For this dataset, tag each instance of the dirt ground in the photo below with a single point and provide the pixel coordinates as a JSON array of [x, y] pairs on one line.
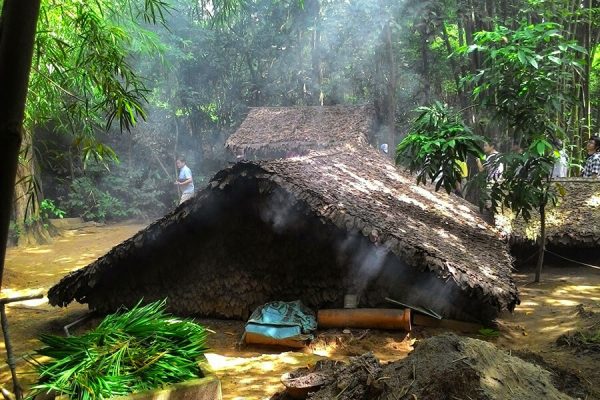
[[547, 310]]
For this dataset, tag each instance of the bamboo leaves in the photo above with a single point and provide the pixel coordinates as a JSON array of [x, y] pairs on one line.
[[130, 351]]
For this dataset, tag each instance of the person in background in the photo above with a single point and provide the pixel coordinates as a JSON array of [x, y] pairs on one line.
[[591, 168], [493, 169], [464, 174], [491, 164], [184, 180], [560, 168]]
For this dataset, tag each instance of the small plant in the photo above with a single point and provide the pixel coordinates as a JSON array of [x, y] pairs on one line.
[[14, 231], [49, 210], [140, 349], [489, 333], [436, 144]]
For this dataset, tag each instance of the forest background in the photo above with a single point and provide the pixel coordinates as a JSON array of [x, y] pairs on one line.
[[181, 86]]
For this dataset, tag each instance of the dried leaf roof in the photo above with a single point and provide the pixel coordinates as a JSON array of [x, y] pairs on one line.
[[270, 132], [574, 222], [357, 190]]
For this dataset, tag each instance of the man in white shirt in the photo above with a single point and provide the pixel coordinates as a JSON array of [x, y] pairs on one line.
[[561, 164], [184, 181]]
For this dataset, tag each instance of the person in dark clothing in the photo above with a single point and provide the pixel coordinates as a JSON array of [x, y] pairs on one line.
[[591, 168]]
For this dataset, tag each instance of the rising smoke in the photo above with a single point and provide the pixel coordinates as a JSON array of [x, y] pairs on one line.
[[364, 259]]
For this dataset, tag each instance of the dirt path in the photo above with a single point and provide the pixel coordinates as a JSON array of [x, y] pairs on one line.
[[547, 310]]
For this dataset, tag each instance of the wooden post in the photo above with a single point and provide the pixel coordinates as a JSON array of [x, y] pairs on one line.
[[10, 357], [541, 243]]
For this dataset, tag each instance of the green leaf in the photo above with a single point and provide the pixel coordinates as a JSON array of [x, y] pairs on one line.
[[555, 60], [533, 62], [578, 48]]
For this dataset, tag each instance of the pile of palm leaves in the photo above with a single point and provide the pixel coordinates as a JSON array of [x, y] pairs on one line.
[[143, 348]]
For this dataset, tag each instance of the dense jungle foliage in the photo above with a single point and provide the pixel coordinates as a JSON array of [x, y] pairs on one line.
[[119, 88]]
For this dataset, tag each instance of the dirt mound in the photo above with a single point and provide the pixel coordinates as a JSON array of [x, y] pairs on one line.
[[564, 380], [441, 367], [587, 339]]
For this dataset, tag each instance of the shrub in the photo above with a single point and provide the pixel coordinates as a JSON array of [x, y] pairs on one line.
[[121, 193]]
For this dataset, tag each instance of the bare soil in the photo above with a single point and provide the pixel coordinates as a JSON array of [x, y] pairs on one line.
[[547, 311]]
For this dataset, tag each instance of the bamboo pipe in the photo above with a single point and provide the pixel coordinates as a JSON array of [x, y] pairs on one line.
[[376, 318]]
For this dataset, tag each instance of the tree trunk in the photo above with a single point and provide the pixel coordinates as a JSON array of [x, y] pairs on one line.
[[254, 80], [453, 66], [587, 76], [314, 8], [425, 62], [175, 150], [541, 243], [28, 193], [470, 29], [390, 94], [17, 33]]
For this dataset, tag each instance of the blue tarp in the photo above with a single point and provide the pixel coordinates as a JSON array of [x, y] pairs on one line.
[[283, 320]]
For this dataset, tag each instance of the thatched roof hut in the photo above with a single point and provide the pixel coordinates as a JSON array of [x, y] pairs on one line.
[[315, 227], [277, 132], [573, 223]]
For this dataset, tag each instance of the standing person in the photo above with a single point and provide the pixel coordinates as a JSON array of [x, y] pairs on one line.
[[493, 169], [592, 164], [492, 165], [184, 181], [560, 168], [464, 175]]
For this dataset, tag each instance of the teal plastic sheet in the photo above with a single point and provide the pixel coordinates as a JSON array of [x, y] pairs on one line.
[[283, 320]]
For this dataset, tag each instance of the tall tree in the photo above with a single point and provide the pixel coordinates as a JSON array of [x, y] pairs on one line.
[[82, 80], [17, 32]]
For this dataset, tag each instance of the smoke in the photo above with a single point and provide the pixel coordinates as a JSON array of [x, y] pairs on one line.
[[279, 212], [365, 261], [202, 77]]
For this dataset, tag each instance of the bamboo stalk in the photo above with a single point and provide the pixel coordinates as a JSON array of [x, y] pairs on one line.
[[7, 300], [10, 359]]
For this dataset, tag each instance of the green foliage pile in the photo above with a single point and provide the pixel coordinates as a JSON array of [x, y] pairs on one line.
[[130, 351]]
